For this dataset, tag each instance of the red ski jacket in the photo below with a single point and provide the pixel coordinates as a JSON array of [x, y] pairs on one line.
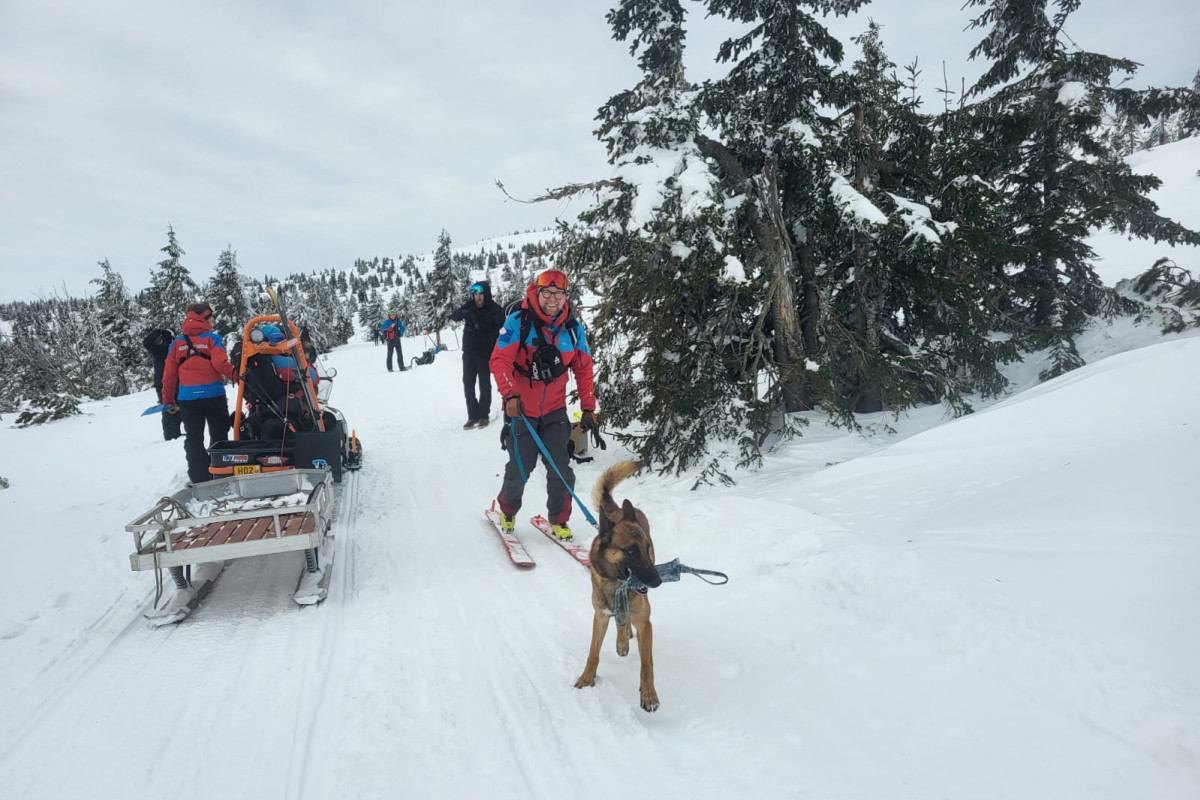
[[511, 359], [196, 363]]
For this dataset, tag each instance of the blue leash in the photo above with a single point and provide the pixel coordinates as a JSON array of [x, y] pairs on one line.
[[669, 572], [549, 460]]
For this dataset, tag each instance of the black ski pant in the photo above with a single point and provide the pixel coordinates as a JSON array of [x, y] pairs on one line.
[[394, 345], [195, 414], [170, 422], [475, 371], [555, 431]]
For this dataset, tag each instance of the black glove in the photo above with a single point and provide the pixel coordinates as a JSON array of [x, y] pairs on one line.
[[587, 422]]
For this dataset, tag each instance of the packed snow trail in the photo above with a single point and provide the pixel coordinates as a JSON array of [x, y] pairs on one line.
[[851, 655]]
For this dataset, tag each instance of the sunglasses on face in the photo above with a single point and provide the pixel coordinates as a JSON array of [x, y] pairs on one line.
[[552, 277]]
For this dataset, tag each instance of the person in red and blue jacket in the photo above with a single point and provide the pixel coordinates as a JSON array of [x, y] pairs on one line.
[[193, 386], [392, 329], [538, 345]]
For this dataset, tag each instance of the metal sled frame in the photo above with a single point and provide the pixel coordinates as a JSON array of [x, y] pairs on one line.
[[168, 536]]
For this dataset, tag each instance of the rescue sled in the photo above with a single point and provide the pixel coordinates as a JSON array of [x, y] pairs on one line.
[[281, 417], [212, 523]]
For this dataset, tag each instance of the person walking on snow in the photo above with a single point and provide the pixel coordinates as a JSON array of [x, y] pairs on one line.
[[392, 329], [192, 385], [537, 346], [482, 318], [158, 343]]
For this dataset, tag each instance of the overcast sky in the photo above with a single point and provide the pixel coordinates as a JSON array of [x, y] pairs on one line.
[[307, 134]]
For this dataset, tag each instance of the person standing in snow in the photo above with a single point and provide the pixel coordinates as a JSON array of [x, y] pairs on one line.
[[158, 343], [538, 345], [392, 329], [481, 317], [193, 386]]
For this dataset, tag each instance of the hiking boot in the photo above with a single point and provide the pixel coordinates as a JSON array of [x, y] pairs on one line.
[[562, 532], [507, 524], [469, 424], [482, 422]]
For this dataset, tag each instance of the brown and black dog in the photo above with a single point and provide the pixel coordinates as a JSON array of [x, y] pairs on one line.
[[622, 547]]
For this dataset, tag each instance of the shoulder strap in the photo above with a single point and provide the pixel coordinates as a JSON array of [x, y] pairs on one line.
[[192, 351], [571, 326]]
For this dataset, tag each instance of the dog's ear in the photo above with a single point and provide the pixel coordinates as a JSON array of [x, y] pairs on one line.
[[628, 511], [606, 527]]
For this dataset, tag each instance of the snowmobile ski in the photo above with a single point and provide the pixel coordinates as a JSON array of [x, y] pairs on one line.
[[313, 587], [185, 601]]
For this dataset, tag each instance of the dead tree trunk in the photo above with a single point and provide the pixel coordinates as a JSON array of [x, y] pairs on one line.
[[776, 258]]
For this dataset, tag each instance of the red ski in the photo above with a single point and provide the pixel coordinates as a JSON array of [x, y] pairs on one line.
[[512, 545], [580, 552]]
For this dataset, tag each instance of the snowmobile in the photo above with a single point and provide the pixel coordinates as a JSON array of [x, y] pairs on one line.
[[281, 419], [272, 482]]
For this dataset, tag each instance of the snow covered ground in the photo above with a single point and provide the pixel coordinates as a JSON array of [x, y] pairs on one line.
[[1000, 606]]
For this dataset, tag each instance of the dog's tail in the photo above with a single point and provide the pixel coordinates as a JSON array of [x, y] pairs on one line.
[[602, 493]]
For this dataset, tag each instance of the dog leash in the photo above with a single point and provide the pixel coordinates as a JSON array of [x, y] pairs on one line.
[[549, 460], [669, 573]]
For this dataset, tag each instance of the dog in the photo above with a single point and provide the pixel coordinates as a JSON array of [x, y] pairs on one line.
[[622, 547]]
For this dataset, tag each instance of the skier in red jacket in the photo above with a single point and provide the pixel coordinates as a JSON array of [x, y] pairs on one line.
[[193, 385], [539, 344]]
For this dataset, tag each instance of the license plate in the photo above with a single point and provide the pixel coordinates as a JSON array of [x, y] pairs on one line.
[[246, 469]]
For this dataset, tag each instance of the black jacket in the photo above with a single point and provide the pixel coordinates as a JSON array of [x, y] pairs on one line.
[[481, 326], [158, 343]]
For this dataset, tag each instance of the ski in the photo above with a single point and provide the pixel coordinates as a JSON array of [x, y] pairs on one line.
[[512, 545], [185, 601], [580, 552]]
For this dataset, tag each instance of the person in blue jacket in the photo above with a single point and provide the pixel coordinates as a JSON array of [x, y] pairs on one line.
[[392, 329]]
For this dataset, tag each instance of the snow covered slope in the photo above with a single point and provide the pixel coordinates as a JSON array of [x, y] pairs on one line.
[[1177, 164]]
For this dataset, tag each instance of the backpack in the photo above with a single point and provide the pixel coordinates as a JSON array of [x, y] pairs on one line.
[[262, 382], [546, 364]]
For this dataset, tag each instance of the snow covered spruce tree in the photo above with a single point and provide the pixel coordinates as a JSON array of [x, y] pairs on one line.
[[321, 309], [120, 340], [774, 145], [676, 334], [372, 311], [171, 288], [58, 358], [1040, 120], [903, 322], [444, 289], [226, 293]]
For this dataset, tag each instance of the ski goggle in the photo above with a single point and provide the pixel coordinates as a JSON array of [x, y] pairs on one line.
[[552, 277], [477, 288]]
